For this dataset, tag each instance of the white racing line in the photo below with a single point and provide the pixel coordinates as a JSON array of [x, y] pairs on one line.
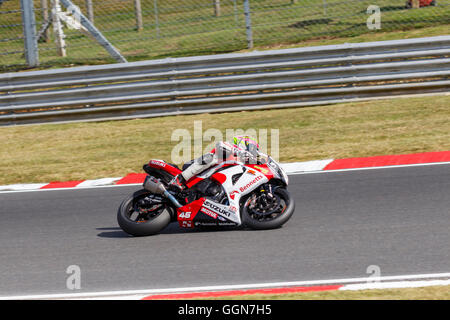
[[373, 168], [384, 282]]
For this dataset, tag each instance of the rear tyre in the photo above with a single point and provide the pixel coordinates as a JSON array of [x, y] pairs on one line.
[[260, 221], [143, 225]]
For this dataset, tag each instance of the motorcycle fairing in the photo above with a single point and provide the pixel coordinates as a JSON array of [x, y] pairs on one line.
[[162, 165], [210, 172], [263, 168], [246, 183], [207, 213], [204, 211], [187, 213]]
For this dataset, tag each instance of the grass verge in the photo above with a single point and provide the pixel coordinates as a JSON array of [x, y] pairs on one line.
[[367, 37], [424, 293], [59, 152]]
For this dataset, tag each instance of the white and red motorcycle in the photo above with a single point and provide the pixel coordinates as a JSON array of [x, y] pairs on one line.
[[231, 193]]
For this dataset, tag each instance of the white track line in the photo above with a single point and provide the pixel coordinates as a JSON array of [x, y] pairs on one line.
[[374, 168], [135, 293], [395, 285], [315, 165], [74, 188], [98, 182]]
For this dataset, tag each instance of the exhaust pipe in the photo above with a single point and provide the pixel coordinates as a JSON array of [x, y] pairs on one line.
[[155, 186]]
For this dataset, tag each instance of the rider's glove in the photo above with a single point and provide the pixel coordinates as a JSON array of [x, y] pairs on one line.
[[246, 157], [262, 158]]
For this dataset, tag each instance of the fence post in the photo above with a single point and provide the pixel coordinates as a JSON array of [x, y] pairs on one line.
[[96, 34], [216, 8], [90, 10], [138, 12], [58, 28], [248, 24], [29, 31], [45, 16]]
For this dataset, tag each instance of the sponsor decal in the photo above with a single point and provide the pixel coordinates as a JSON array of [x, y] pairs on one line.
[[233, 194], [263, 170], [251, 183], [209, 213], [226, 224], [186, 224], [213, 224], [203, 223], [158, 163], [215, 208]]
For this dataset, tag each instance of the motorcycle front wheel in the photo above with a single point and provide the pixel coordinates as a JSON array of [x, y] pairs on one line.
[[261, 214]]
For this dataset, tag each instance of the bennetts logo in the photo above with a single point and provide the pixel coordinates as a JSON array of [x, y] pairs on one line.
[[251, 183]]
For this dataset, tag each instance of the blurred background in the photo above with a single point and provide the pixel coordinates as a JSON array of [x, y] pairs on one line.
[[150, 29]]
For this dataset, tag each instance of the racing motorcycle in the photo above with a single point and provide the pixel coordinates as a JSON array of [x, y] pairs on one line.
[[229, 194]]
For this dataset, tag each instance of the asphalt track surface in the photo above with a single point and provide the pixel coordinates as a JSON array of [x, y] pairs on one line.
[[394, 218]]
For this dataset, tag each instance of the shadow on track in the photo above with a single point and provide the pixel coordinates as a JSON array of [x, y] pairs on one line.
[[173, 228]]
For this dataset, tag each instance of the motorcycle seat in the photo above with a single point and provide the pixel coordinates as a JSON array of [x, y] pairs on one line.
[[187, 164]]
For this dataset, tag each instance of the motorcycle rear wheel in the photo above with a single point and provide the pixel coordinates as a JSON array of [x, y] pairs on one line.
[[143, 227]]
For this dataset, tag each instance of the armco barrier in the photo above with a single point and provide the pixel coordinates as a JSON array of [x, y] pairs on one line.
[[227, 82]]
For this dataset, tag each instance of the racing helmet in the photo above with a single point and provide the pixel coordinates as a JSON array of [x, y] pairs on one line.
[[247, 144]]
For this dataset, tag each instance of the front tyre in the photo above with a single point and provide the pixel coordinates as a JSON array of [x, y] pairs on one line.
[[139, 217], [273, 214]]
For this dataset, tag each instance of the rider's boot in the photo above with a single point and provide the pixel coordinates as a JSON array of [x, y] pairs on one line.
[[178, 183]]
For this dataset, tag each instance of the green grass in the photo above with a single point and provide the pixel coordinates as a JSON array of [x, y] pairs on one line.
[[43, 153], [189, 27]]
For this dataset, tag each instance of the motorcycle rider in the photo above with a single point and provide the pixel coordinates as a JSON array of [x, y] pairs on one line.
[[243, 147]]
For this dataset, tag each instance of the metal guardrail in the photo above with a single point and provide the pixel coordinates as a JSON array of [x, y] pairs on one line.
[[227, 82]]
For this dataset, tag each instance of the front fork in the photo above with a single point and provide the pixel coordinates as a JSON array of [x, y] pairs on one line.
[[266, 190]]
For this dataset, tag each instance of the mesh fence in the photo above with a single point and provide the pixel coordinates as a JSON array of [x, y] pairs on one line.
[[11, 35], [147, 29]]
